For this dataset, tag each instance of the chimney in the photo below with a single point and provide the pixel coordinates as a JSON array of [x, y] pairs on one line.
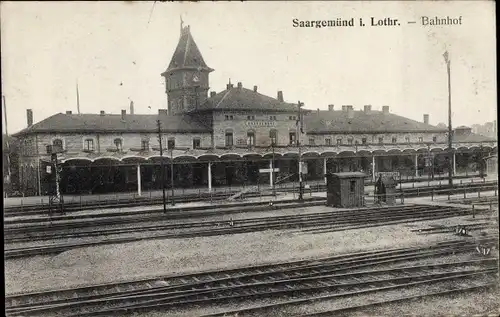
[[280, 96], [350, 112], [29, 116], [426, 118], [368, 109], [385, 109], [212, 93], [131, 107], [68, 112], [240, 85], [344, 108], [317, 111], [330, 107], [124, 112], [255, 88], [102, 112], [162, 112]]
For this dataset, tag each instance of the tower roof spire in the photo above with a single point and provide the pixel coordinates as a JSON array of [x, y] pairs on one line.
[[187, 55]]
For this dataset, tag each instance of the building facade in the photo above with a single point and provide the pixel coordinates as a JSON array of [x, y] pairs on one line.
[[225, 139]]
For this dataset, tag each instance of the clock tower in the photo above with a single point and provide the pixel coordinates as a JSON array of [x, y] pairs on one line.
[[186, 78]]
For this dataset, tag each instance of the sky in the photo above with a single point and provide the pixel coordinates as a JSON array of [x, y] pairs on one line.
[[116, 52]]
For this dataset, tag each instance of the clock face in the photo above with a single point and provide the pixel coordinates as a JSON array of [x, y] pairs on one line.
[[196, 78]]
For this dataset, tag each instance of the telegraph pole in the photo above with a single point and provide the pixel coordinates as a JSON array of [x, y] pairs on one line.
[[172, 173], [299, 134], [158, 122], [450, 130]]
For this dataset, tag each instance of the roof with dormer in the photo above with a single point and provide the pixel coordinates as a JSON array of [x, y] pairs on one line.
[[339, 121], [95, 123], [187, 54], [242, 99]]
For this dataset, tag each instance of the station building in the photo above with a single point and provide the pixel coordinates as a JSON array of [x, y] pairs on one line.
[[227, 138]]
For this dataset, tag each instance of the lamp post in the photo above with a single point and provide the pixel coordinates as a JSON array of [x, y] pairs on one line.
[[272, 165], [172, 172], [299, 123], [162, 166], [450, 131]]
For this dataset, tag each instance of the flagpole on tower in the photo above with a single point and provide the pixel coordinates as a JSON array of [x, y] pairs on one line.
[[77, 98]]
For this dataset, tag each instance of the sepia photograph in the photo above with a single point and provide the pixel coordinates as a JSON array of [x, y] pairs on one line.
[[279, 158]]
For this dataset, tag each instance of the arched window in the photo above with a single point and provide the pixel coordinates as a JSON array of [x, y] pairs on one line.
[[118, 144], [251, 138], [57, 145], [229, 138], [273, 135]]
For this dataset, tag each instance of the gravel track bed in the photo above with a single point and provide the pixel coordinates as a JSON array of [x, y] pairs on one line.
[[224, 224], [473, 302], [108, 263], [332, 304]]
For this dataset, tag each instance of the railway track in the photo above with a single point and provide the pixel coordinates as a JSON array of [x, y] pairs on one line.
[[342, 220], [30, 210], [358, 272]]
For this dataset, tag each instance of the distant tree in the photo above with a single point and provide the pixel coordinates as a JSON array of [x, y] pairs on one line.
[[10, 150]]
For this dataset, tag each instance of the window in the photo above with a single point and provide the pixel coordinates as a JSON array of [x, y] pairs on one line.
[[88, 145], [118, 144], [394, 140], [229, 138], [311, 141], [145, 145], [363, 140], [171, 143], [227, 117], [292, 117], [231, 117], [272, 118], [349, 141], [250, 117], [57, 145], [353, 186], [273, 135], [434, 139], [250, 138], [407, 139], [292, 137], [339, 141], [420, 139], [196, 143], [380, 140], [328, 141]]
